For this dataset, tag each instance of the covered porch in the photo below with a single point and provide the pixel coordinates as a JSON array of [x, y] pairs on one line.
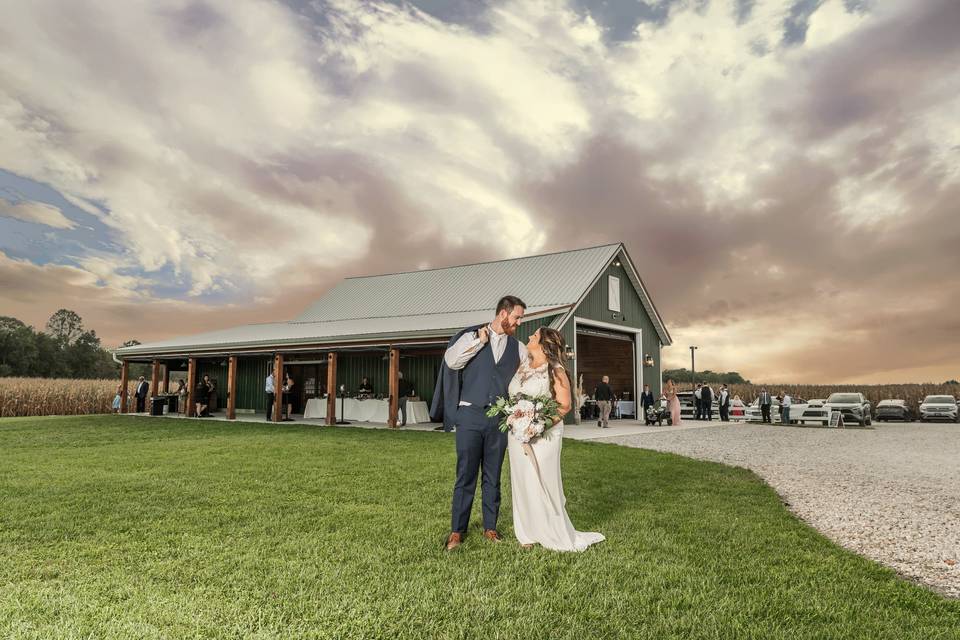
[[326, 382]]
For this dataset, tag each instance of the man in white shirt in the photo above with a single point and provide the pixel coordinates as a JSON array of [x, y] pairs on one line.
[[480, 362], [785, 405], [271, 392], [723, 403]]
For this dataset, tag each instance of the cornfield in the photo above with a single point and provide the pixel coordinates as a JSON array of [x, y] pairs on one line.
[[58, 396], [912, 393]]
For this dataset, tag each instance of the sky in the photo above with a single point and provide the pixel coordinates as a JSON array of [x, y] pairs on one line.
[[784, 174]]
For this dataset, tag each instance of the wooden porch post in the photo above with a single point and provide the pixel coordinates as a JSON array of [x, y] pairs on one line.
[[232, 388], [394, 387], [166, 377], [332, 388], [154, 380], [191, 383], [124, 382], [278, 387]]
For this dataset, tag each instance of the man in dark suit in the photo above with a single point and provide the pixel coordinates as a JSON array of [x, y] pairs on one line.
[[477, 368], [646, 401], [143, 388], [697, 402], [764, 400], [706, 402], [724, 403]]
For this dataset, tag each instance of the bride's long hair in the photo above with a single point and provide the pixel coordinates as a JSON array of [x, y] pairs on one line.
[[555, 348]]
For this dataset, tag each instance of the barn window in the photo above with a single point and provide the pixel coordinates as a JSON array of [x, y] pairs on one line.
[[613, 288]]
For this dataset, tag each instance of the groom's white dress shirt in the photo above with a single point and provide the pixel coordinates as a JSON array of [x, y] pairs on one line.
[[469, 344]]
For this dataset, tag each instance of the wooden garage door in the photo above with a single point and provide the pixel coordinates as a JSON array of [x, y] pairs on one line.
[[599, 355]]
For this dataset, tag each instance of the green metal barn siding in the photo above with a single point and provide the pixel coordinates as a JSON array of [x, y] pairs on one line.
[[251, 376], [632, 314]]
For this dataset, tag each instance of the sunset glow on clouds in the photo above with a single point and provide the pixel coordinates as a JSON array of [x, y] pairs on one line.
[[785, 174]]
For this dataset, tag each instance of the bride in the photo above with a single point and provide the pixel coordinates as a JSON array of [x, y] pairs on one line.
[[539, 514]]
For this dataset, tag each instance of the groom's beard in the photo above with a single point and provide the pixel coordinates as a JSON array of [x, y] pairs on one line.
[[508, 328]]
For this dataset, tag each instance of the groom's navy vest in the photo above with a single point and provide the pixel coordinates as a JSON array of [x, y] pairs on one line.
[[484, 380]]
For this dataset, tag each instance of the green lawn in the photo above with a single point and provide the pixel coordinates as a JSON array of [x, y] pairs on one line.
[[121, 527]]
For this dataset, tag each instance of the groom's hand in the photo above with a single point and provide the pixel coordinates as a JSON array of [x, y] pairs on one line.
[[484, 334]]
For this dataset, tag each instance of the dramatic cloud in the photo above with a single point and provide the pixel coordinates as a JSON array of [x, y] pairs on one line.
[[38, 212], [785, 173]]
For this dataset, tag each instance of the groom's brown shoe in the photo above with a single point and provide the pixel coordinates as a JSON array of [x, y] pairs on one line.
[[491, 534], [454, 540]]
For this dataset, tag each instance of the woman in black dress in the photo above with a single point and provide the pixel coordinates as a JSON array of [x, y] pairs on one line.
[[202, 398]]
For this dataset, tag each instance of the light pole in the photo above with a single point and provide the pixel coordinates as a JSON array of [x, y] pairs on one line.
[[693, 368]]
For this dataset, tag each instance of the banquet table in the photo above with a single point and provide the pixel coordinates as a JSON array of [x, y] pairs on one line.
[[366, 410], [626, 408]]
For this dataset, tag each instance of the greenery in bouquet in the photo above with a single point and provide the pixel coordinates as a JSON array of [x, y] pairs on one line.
[[526, 417]]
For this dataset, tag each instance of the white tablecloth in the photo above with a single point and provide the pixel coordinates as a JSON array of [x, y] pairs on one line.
[[627, 408], [366, 410]]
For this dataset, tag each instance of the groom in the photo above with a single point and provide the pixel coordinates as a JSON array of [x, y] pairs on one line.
[[477, 368]]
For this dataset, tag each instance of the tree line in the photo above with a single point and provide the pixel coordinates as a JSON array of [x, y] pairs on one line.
[[682, 376], [63, 349]]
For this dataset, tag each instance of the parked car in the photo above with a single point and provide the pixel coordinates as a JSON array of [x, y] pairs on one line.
[[939, 408], [815, 411], [797, 408], [854, 407], [895, 410]]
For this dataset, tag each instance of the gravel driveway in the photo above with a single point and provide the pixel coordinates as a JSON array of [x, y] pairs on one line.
[[891, 494]]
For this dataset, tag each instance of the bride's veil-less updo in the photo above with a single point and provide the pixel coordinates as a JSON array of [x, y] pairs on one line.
[[554, 347]]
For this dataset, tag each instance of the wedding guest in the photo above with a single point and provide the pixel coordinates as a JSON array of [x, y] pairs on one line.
[[210, 396], [670, 391], [143, 388], [201, 396], [181, 395], [706, 403], [764, 400], [117, 399], [603, 394], [288, 395], [270, 389], [405, 391], [785, 403], [697, 403], [646, 398], [365, 389], [214, 403], [724, 403]]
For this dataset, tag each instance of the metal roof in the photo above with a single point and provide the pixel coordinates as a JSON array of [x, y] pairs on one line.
[[428, 303], [475, 287], [439, 325]]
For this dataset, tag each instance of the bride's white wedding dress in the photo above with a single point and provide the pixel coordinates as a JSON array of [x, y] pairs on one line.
[[539, 506]]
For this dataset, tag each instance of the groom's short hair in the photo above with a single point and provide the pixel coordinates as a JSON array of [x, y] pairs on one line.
[[507, 303]]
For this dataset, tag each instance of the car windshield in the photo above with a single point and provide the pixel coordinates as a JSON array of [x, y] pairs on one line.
[[844, 398], [940, 399]]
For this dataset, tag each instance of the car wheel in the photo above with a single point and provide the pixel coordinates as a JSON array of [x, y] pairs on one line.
[[824, 423]]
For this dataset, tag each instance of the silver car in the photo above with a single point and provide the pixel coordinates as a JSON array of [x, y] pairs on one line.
[[939, 408]]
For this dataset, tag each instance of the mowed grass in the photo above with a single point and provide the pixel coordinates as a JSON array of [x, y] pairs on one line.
[[123, 527]]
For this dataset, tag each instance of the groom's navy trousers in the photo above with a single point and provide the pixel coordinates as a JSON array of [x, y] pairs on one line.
[[480, 447]]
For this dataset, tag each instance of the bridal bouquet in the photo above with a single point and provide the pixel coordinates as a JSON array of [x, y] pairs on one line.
[[526, 417]]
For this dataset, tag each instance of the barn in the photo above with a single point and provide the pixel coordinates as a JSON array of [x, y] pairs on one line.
[[386, 326]]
